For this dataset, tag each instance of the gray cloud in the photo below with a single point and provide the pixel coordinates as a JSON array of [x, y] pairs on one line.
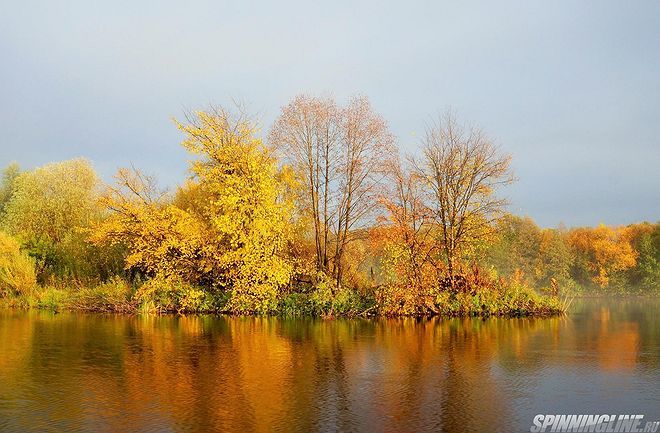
[[571, 89]]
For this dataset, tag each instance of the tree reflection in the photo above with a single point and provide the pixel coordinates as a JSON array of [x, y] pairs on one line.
[[261, 374]]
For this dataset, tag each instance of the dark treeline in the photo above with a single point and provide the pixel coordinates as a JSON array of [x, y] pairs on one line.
[[322, 217]]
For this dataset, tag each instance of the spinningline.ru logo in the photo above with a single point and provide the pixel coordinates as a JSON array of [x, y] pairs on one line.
[[592, 423]]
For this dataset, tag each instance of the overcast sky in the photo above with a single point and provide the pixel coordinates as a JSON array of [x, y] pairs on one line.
[[570, 88]]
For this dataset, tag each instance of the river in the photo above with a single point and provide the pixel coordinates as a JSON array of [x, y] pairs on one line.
[[74, 372]]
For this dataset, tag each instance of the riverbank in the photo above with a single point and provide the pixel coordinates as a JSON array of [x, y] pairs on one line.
[[117, 296]]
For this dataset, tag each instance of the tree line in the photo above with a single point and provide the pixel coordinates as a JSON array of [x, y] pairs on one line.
[[322, 216]]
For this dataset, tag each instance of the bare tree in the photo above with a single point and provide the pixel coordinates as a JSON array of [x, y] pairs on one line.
[[308, 134], [366, 146], [338, 154], [462, 170]]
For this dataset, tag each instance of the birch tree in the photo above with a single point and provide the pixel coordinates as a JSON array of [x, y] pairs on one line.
[[338, 155], [308, 134], [462, 170]]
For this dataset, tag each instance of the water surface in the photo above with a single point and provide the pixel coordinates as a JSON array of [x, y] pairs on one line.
[[75, 372]]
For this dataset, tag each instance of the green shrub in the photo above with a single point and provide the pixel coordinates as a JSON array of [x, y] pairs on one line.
[[325, 300], [514, 299], [296, 304], [51, 298], [162, 295]]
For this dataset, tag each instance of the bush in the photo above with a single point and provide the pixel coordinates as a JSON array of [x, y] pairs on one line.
[[115, 295], [323, 301], [17, 275], [163, 295], [259, 299], [512, 299], [396, 300], [50, 298]]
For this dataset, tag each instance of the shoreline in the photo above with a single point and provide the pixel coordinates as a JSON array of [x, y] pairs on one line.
[[347, 304], [100, 312]]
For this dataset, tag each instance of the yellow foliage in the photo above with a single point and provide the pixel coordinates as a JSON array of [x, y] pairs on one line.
[[225, 229], [49, 210], [161, 239], [605, 249], [52, 201], [240, 176], [16, 268]]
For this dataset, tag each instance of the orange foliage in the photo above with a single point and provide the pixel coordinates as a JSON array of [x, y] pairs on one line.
[[407, 246], [605, 250]]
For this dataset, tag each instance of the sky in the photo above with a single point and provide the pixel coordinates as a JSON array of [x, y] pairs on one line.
[[571, 89]]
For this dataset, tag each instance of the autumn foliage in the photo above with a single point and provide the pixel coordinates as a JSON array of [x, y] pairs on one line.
[[322, 218], [603, 251], [229, 231]]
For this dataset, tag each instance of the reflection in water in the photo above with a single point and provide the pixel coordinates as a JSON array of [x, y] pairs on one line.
[[92, 372]]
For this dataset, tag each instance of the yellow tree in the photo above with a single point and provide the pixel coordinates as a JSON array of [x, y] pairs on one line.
[[49, 209], [161, 239], [225, 229], [245, 210], [52, 201], [16, 268]]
